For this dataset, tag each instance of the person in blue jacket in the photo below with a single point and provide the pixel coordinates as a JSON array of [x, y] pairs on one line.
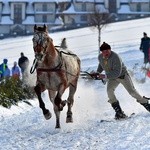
[[6, 74], [3, 68], [144, 47]]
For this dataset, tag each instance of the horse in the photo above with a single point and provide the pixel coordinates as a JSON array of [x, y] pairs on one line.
[[56, 71]]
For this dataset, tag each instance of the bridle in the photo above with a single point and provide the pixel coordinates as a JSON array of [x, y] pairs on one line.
[[40, 41], [40, 44]]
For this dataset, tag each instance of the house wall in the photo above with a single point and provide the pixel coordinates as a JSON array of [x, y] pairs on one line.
[[45, 12], [29, 29], [39, 18], [1, 11], [39, 7], [5, 29], [145, 7], [88, 6]]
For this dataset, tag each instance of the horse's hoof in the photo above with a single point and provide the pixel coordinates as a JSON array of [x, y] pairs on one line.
[[48, 115], [69, 120], [57, 127]]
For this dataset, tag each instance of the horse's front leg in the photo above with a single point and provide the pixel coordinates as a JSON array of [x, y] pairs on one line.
[[59, 102], [58, 105], [52, 95], [46, 112]]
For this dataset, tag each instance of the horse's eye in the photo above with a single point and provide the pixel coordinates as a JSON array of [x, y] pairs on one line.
[[36, 37]]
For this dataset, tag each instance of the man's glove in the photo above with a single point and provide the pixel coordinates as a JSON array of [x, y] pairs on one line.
[[97, 75]]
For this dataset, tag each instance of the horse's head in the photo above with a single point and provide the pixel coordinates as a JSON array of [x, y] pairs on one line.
[[40, 41]]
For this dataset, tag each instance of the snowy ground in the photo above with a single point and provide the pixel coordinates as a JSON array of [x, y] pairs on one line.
[[24, 128]]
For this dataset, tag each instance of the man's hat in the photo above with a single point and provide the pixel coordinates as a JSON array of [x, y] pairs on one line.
[[144, 33], [104, 46]]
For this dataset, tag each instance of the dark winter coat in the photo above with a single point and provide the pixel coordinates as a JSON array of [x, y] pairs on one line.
[[144, 47], [23, 63], [145, 44]]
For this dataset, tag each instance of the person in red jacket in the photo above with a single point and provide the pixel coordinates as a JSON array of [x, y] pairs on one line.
[[15, 71]]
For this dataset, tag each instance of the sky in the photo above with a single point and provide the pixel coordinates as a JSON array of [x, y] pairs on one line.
[[24, 127]]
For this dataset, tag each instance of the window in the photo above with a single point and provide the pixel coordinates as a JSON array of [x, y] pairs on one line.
[[44, 7], [83, 18], [44, 18], [83, 7], [138, 7], [18, 13]]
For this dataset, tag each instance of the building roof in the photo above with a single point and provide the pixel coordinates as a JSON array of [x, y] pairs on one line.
[[6, 20]]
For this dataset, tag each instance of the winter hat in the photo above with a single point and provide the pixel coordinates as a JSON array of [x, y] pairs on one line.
[[105, 46], [5, 61], [144, 33]]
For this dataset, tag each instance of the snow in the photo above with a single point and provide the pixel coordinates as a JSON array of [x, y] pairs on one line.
[[23, 127]]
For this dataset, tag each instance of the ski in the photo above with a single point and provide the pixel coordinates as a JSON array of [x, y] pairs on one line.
[[114, 120]]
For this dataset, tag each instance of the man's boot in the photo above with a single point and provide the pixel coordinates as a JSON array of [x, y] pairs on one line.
[[146, 105], [119, 113]]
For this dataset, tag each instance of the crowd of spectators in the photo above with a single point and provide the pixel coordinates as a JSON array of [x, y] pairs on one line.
[[18, 71]]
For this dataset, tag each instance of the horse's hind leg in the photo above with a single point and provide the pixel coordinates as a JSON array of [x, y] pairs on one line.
[[70, 101], [46, 112]]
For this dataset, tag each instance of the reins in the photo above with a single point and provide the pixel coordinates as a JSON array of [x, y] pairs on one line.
[[34, 65]]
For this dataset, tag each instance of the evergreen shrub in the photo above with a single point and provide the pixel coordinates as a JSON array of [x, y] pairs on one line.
[[13, 91]]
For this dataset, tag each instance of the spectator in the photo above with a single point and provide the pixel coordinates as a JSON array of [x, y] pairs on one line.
[[144, 47], [3, 68], [23, 63], [15, 71], [6, 72]]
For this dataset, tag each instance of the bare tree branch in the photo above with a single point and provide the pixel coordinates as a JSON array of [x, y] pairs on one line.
[[99, 19]]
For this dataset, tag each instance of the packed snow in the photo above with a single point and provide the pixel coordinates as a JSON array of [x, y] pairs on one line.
[[24, 127]]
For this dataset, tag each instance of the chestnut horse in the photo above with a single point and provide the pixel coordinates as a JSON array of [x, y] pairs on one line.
[[57, 70]]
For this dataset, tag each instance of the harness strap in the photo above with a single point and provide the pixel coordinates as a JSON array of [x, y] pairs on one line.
[[57, 68]]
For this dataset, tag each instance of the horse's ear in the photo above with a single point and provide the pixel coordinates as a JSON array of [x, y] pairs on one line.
[[35, 27], [45, 28]]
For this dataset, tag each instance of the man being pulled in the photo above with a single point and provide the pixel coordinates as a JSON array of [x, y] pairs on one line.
[[116, 73]]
